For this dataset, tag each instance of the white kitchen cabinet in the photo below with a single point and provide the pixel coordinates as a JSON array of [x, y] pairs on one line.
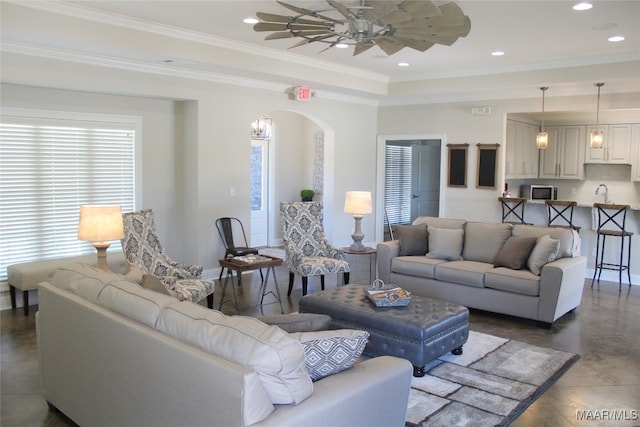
[[521, 152], [616, 147], [564, 158], [635, 144]]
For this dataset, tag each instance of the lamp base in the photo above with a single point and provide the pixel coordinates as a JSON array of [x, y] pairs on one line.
[[101, 247], [357, 236]]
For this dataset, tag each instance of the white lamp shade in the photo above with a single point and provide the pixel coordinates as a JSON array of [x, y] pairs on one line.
[[358, 202], [542, 140], [597, 139], [99, 223]]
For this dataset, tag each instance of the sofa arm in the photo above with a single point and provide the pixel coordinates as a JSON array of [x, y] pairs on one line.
[[372, 393], [561, 286], [386, 251]]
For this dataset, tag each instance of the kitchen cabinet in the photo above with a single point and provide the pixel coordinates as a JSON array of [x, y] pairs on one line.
[[521, 152], [635, 143], [616, 147], [564, 157]]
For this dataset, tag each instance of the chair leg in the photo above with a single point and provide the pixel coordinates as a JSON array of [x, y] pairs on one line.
[[322, 282], [210, 300], [12, 292], [620, 266], [221, 271], [304, 285], [595, 265], [604, 242], [291, 277], [25, 302], [346, 277], [629, 261], [239, 278]]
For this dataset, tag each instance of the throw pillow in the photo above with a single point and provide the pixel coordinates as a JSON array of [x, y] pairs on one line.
[[298, 322], [445, 243], [545, 251], [413, 239], [515, 252], [151, 282], [329, 352]]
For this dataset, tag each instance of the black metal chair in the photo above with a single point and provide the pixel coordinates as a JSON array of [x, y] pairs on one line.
[[513, 206], [226, 227], [612, 222], [562, 211]]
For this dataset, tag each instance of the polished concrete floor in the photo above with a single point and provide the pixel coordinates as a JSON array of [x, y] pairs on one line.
[[604, 384]]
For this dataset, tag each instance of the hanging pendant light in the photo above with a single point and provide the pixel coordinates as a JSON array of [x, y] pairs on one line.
[[542, 137], [597, 135]]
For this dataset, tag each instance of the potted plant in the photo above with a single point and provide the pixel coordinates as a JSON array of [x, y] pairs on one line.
[[306, 195]]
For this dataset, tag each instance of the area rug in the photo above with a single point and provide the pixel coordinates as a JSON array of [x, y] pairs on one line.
[[490, 384]]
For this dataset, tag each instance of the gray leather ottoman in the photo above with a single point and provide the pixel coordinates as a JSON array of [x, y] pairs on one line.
[[420, 332]]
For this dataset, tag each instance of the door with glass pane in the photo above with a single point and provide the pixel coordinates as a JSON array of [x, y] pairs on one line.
[[259, 192]]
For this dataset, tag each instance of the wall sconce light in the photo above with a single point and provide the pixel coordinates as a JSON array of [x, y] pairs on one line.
[[358, 203], [261, 128], [597, 135], [542, 137], [98, 224]]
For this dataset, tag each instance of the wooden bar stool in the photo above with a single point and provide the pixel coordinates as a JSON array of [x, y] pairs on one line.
[[612, 222], [513, 206], [558, 210]]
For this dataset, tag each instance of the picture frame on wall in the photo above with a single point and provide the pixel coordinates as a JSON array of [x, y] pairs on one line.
[[457, 165], [486, 168]]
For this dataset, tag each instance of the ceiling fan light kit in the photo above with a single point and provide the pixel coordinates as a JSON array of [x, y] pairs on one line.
[[390, 25]]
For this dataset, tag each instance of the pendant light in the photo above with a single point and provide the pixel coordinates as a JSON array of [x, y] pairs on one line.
[[597, 135], [542, 138]]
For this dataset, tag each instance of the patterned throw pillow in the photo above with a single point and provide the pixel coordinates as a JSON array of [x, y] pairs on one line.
[[329, 352]]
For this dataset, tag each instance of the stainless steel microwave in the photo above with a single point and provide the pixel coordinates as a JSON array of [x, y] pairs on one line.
[[539, 192]]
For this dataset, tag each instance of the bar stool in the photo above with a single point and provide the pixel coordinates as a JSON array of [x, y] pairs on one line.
[[613, 217], [558, 210], [515, 206]]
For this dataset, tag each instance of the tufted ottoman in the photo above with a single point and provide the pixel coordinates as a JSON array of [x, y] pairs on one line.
[[420, 332]]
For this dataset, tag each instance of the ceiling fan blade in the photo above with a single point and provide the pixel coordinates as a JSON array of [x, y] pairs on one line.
[[342, 9], [279, 35], [361, 47], [432, 38], [419, 45], [308, 12], [439, 21], [311, 40], [378, 9], [395, 17], [307, 33], [451, 9], [420, 8], [270, 26], [389, 46], [270, 17]]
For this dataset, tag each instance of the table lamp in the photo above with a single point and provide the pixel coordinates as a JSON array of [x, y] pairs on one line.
[[358, 203], [98, 224]]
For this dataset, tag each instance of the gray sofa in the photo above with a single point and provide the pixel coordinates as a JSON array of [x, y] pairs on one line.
[[491, 272], [114, 353]]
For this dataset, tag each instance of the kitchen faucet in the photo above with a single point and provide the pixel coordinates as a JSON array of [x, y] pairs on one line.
[[606, 192]]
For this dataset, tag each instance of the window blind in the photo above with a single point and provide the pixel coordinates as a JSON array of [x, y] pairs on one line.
[[397, 184], [48, 168]]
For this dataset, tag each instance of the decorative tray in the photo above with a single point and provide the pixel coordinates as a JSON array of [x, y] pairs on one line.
[[387, 295]]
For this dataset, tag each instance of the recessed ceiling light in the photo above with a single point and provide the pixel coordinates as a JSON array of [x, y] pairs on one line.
[[342, 45], [582, 6], [250, 20], [403, 64], [497, 53], [616, 38]]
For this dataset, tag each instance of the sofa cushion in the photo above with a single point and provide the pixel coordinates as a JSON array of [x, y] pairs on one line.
[[515, 281], [465, 272], [445, 243], [277, 357], [545, 251], [412, 238], [433, 221], [83, 280], [569, 238], [329, 352], [483, 240], [420, 266], [515, 252], [298, 322]]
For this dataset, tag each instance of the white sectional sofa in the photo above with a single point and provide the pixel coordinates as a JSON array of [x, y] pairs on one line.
[[474, 264], [113, 353]]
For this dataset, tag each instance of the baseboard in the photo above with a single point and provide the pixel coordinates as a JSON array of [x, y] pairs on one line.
[[612, 276]]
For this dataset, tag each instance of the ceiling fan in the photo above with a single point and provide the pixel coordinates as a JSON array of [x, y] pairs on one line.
[[392, 26]]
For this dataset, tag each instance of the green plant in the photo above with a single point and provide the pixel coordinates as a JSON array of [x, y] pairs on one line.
[[307, 194]]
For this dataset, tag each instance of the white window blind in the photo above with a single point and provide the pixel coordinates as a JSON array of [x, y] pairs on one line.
[[48, 168], [397, 184]]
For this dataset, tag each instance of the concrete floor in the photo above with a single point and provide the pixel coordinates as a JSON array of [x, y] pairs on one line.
[[604, 330]]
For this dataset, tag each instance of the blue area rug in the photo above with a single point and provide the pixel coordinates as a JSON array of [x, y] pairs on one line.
[[490, 384]]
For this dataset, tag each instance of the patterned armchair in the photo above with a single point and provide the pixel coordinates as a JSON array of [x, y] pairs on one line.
[[308, 251], [143, 251]]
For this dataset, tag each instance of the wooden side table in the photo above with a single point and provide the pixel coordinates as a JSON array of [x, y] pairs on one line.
[[372, 254], [265, 261]]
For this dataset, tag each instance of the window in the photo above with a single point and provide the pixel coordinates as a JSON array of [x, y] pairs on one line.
[[397, 184], [52, 163]]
